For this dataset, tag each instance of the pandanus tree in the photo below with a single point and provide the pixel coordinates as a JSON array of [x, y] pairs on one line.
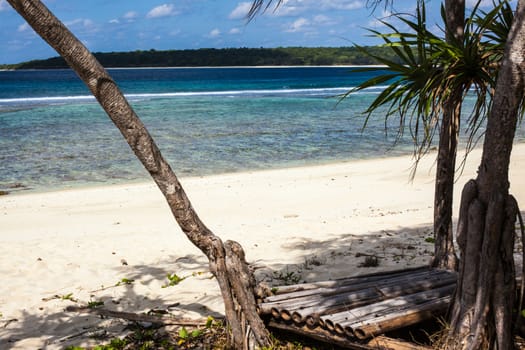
[[226, 259], [482, 314], [426, 88]]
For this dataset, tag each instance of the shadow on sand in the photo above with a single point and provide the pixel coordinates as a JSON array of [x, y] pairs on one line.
[[329, 257]]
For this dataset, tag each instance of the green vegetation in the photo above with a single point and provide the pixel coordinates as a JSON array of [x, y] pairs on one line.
[[288, 277], [185, 335], [173, 280], [370, 261], [124, 281], [68, 296], [282, 56], [95, 303], [430, 240], [213, 335]]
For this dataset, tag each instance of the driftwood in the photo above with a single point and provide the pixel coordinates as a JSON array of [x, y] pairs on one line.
[[135, 317]]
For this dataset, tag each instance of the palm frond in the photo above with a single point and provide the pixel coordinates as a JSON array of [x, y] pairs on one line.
[[430, 69]]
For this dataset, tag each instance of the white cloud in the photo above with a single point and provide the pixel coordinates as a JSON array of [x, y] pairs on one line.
[[3, 5], [241, 11], [298, 25], [23, 27], [378, 21], [83, 22], [296, 7], [324, 20], [321, 19], [130, 15], [162, 11], [343, 4], [234, 31], [214, 33], [289, 9]]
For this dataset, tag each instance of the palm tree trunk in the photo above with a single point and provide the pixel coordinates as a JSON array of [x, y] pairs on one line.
[[481, 316], [444, 252], [227, 261]]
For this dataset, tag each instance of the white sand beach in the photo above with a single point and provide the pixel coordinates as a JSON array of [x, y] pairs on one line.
[[75, 246]]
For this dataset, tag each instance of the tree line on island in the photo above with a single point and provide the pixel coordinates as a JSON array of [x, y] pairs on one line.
[[282, 56]]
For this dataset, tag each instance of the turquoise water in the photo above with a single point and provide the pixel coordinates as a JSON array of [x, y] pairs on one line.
[[205, 120]]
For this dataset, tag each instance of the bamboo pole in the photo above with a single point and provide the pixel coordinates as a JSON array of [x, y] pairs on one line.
[[378, 276], [355, 283], [298, 300], [403, 318], [370, 295], [337, 302], [337, 321]]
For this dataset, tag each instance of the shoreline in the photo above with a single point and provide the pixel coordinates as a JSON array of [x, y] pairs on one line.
[[214, 67], [19, 188], [76, 246]]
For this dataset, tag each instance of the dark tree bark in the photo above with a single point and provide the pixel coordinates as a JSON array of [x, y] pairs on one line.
[[226, 260], [481, 316], [444, 252]]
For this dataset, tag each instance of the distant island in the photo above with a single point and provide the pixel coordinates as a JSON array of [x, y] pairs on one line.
[[282, 56]]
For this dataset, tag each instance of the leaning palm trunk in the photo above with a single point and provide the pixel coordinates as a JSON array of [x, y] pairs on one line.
[[226, 260], [481, 316]]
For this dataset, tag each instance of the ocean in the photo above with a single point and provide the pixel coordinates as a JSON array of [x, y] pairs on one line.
[[53, 134]]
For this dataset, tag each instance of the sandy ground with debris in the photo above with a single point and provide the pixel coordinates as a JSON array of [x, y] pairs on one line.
[[118, 244]]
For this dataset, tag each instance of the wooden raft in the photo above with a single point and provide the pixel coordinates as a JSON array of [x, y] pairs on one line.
[[359, 308]]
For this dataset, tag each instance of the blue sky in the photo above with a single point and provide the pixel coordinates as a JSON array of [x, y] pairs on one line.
[[130, 25]]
